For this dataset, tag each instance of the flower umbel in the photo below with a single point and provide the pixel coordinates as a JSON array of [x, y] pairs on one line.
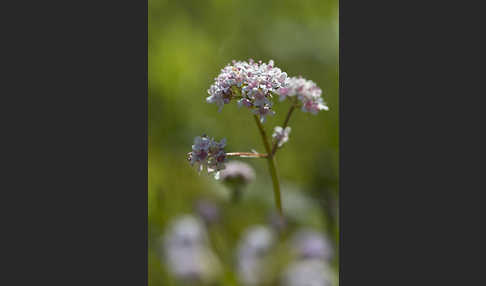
[[251, 83], [307, 92], [206, 152]]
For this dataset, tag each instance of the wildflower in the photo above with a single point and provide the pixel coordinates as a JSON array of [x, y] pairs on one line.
[[251, 83], [281, 135], [252, 251], [237, 172], [206, 152], [312, 244], [187, 251], [237, 175], [308, 272], [306, 91], [186, 231]]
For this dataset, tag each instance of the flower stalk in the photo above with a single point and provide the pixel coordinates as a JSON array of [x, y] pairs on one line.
[[271, 165], [246, 155]]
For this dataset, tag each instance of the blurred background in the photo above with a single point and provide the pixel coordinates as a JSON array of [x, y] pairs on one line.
[[199, 232]]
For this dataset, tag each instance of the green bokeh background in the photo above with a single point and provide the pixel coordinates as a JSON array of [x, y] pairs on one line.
[[189, 42]]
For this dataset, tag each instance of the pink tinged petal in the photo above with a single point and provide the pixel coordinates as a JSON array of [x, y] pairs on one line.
[[246, 102], [284, 91]]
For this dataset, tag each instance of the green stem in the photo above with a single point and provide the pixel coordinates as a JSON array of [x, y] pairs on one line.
[[271, 165]]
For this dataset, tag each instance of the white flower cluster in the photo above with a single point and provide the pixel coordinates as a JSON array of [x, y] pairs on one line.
[[252, 251], [206, 152], [307, 92], [252, 83], [281, 135], [307, 272], [311, 267], [187, 251]]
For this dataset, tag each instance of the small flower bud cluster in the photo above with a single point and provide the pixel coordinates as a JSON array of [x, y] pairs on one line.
[[281, 135], [252, 83], [307, 92], [209, 153]]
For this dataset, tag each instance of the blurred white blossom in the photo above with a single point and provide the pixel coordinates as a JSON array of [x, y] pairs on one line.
[[312, 244], [187, 251], [310, 268], [251, 252], [311, 272], [281, 135], [237, 170]]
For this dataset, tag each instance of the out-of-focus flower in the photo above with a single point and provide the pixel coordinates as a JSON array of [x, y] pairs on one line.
[[307, 272], [237, 175], [307, 92], [186, 232], [206, 152], [311, 264], [312, 244], [187, 251], [281, 135], [237, 171], [251, 83], [208, 211], [257, 242], [251, 252]]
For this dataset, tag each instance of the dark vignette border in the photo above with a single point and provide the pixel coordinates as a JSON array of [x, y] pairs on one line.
[[77, 143], [406, 212]]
